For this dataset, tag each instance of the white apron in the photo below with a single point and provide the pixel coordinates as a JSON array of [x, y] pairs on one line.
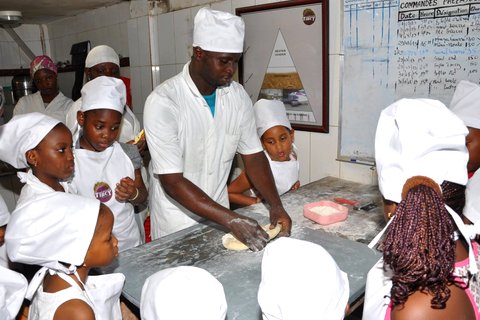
[[13, 287], [96, 176], [102, 292], [377, 292]]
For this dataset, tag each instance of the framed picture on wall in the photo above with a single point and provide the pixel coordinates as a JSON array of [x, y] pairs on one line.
[[286, 58]]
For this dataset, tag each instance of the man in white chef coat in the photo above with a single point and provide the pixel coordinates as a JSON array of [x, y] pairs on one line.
[[195, 122]]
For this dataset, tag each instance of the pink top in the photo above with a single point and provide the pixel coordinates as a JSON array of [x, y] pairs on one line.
[[461, 275]]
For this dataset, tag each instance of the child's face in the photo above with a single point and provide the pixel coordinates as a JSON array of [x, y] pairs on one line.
[[103, 248], [278, 143], [473, 145], [100, 128], [108, 69], [53, 157]]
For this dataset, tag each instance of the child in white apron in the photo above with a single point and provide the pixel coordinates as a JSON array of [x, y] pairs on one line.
[[312, 285], [422, 160], [67, 235], [44, 144], [183, 293], [106, 169], [277, 136]]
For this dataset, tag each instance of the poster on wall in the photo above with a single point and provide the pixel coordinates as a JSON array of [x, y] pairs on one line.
[[285, 59]]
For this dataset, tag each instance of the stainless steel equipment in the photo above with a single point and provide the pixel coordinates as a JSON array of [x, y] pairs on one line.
[[22, 86]]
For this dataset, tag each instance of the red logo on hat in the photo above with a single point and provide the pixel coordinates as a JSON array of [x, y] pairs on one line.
[[102, 191]]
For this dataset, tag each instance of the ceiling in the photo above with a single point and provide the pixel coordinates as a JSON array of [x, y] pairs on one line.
[[45, 11]]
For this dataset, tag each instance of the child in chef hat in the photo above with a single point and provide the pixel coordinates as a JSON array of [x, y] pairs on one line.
[[422, 160], [106, 169], [67, 235], [44, 144], [166, 293], [313, 287], [277, 136]]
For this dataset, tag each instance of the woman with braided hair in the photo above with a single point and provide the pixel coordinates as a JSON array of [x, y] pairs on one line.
[[425, 272]]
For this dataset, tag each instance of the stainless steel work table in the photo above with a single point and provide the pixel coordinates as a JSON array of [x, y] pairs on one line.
[[240, 271]]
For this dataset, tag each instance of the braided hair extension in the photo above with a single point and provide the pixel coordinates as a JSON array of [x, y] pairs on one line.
[[419, 246], [454, 196]]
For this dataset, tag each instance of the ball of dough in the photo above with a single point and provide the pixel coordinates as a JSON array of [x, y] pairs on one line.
[[230, 242]]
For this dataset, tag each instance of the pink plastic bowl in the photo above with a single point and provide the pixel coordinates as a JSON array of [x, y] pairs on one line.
[[324, 219]]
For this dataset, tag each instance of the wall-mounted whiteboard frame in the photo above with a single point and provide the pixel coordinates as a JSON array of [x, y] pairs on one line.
[[306, 43]]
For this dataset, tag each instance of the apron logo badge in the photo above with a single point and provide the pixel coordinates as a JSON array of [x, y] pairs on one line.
[[102, 191]]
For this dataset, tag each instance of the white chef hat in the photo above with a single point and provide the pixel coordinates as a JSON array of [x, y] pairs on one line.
[[268, 114], [51, 228], [104, 93], [22, 133], [218, 31], [466, 103], [306, 285], [472, 199], [419, 137], [13, 287], [183, 293], [101, 54]]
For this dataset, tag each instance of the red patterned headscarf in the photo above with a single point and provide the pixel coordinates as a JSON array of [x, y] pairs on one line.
[[42, 62]]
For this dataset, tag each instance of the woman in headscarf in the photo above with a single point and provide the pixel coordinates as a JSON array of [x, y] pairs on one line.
[[48, 99]]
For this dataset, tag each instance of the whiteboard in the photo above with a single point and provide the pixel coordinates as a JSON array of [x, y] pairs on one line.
[[396, 49]]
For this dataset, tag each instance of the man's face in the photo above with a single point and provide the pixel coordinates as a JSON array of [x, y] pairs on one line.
[[218, 68]]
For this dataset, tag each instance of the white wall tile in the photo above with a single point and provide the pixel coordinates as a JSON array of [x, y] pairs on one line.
[[91, 19], [179, 67], [94, 37], [225, 6], [123, 40], [82, 36], [123, 11], [102, 34], [82, 22], [167, 71], [28, 32], [36, 47], [302, 141], [166, 43], [101, 15], [242, 3], [133, 43], [183, 35], [67, 43], [323, 154], [146, 78], [138, 9], [10, 55], [125, 72], [4, 36], [136, 82], [144, 41], [1, 62], [70, 25], [114, 38], [4, 81], [356, 172], [57, 49], [56, 29], [112, 15], [335, 26], [334, 83], [140, 118]]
